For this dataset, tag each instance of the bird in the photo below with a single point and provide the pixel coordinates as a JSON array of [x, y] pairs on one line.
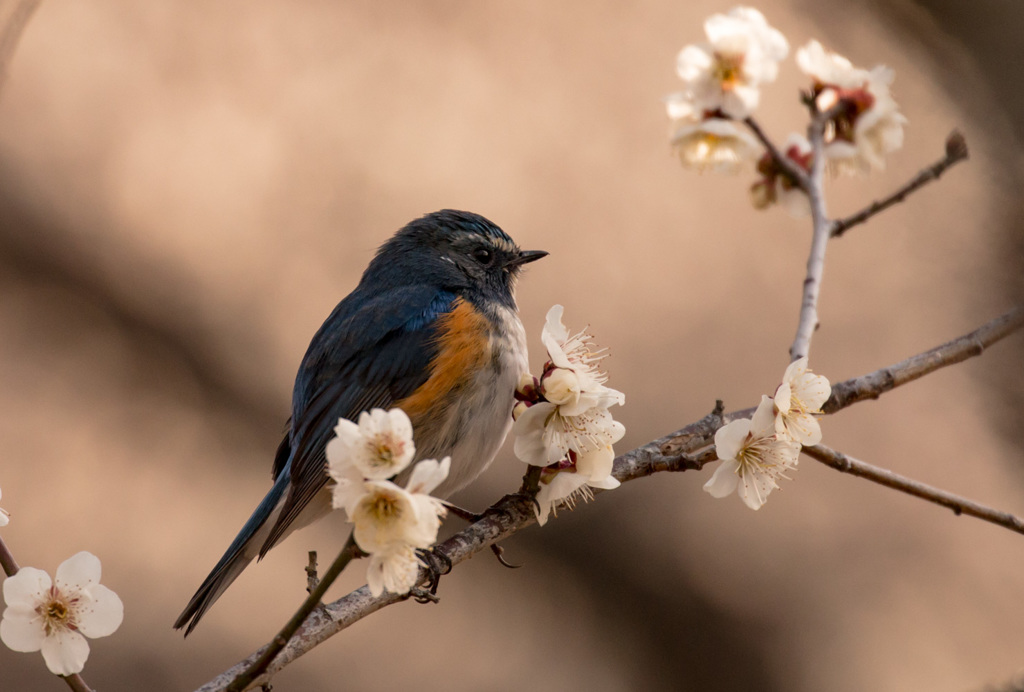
[[432, 328]]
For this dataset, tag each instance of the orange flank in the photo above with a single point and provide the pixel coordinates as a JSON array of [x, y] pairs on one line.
[[463, 348]]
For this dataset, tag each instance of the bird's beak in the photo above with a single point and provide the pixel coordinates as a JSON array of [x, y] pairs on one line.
[[525, 256]]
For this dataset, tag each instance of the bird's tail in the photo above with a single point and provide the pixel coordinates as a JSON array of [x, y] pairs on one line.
[[239, 554]]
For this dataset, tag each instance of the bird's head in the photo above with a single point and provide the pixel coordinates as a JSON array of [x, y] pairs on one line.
[[458, 250]]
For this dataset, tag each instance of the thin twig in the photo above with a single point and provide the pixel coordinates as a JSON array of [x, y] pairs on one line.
[[788, 166], [7, 561], [808, 321], [263, 660], [76, 683], [875, 384], [678, 451], [959, 505], [956, 151], [311, 577]]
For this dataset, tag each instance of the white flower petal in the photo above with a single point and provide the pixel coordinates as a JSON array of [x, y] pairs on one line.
[[102, 614], [428, 474], [560, 386], [694, 61], [561, 486], [78, 573], [349, 486], [380, 445], [715, 144], [681, 105], [723, 481], [26, 587], [813, 390], [597, 465], [753, 489], [529, 431], [803, 429], [609, 483], [599, 397], [763, 421], [384, 515], [740, 101], [730, 437], [22, 629], [554, 334], [795, 202], [65, 652], [395, 568]]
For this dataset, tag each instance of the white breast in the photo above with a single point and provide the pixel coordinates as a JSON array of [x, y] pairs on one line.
[[479, 419]]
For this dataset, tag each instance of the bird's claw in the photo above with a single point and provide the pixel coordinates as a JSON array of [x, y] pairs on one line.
[[464, 514], [499, 553], [438, 564], [423, 596]]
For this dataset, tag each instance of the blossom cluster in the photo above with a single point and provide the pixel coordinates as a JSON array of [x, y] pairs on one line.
[[54, 616], [562, 422], [391, 522], [756, 452], [867, 124], [722, 78]]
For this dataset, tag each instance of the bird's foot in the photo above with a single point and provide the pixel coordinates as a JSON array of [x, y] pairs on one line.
[[438, 564], [423, 596]]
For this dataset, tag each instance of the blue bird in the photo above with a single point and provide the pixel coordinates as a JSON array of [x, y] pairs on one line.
[[433, 329]]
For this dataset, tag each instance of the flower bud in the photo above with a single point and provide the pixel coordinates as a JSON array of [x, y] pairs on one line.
[[561, 386], [518, 409]]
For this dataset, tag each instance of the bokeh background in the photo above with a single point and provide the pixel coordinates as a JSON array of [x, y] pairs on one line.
[[187, 189]]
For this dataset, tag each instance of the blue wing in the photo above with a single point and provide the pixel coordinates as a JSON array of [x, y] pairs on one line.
[[372, 351]]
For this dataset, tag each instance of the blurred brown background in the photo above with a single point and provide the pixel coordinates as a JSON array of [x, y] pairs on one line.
[[187, 189]]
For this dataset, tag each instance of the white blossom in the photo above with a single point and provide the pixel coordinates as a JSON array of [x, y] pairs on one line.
[[576, 383], [379, 446], [869, 125], [54, 617], [385, 514], [798, 400], [724, 74], [716, 144], [566, 486], [562, 422], [394, 568], [829, 70], [545, 436], [754, 457]]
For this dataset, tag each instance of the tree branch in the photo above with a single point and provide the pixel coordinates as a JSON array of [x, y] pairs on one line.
[[76, 683], [959, 505], [788, 166], [267, 654], [956, 151], [7, 561], [873, 385], [808, 321], [677, 451]]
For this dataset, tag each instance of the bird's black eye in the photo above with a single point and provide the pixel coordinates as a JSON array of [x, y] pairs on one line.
[[483, 255]]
